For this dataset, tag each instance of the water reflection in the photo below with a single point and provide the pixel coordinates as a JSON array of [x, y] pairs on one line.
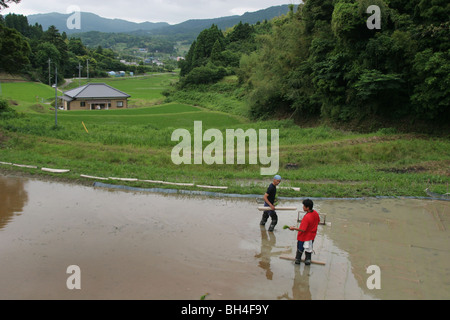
[[268, 243], [300, 287], [13, 198], [269, 250]]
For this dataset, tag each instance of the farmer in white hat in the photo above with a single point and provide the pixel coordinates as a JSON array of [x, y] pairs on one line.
[[269, 200]]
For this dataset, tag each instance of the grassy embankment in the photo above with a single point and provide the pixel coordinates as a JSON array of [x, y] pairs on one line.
[[136, 143]]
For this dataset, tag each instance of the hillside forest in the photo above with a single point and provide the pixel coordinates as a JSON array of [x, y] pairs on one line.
[[321, 60]]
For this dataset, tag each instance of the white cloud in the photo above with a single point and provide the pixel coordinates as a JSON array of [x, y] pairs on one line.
[[172, 11], [240, 11]]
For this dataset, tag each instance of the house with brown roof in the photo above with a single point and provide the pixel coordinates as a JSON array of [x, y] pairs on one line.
[[95, 96]]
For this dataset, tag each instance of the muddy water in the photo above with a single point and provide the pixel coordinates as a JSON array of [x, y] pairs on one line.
[[132, 245]]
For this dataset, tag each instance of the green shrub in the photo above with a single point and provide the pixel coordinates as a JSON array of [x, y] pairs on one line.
[[205, 74], [6, 112], [3, 105]]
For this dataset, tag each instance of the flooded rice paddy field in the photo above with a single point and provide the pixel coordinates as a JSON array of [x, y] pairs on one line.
[[132, 245]]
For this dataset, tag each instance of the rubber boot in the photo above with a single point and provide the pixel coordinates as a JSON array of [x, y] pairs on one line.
[[264, 218], [272, 226], [308, 258], [298, 257]]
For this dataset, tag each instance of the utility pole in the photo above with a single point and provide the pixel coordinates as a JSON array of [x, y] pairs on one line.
[[87, 69], [79, 73], [49, 75], [56, 95]]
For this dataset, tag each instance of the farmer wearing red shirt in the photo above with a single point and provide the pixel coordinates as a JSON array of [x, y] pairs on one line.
[[306, 232]]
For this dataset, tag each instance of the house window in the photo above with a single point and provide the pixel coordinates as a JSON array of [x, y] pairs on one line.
[[119, 104], [82, 104]]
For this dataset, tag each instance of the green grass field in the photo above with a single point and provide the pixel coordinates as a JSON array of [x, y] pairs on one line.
[[144, 90], [136, 143], [30, 92]]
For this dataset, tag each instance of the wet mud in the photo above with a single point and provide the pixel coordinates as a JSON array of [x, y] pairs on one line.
[[133, 245]]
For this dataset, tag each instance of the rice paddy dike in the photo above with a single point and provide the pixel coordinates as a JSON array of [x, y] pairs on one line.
[[136, 143]]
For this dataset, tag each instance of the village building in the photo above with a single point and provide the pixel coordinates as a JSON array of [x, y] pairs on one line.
[[95, 96]]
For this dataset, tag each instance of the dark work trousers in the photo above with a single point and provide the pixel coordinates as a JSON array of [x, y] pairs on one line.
[[273, 215]]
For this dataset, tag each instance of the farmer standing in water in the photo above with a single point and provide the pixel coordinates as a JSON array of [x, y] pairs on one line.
[[269, 200], [307, 232]]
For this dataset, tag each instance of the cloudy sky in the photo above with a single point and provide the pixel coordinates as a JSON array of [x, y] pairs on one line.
[[171, 11]]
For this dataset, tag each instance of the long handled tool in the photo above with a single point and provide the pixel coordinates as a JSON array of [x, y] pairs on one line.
[[278, 209], [303, 260]]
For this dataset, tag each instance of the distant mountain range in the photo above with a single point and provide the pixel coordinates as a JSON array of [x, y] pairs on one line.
[[93, 22]]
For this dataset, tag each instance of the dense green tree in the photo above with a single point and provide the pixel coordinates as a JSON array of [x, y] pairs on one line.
[[431, 97], [44, 52], [268, 73], [76, 46], [216, 52], [205, 74], [404, 6], [315, 12], [14, 50], [432, 11], [204, 45], [186, 64], [20, 23], [205, 52], [240, 32], [220, 51], [52, 36], [324, 60]]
